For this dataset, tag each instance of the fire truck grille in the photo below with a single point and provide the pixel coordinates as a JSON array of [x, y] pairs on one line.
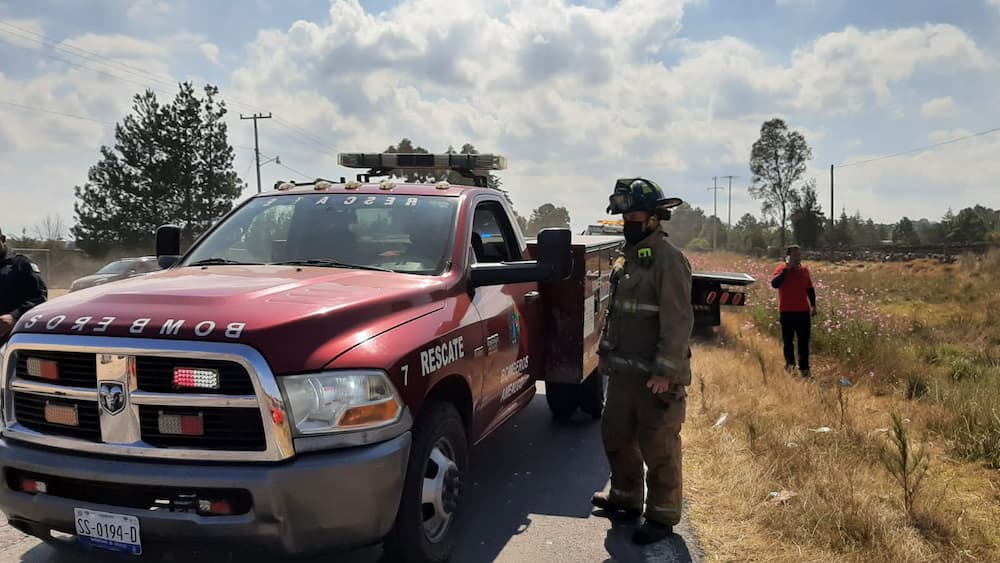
[[210, 406]]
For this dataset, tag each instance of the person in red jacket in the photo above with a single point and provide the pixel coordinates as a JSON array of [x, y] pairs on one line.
[[797, 306]]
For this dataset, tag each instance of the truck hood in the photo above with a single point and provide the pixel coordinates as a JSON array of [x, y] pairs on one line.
[[299, 318]]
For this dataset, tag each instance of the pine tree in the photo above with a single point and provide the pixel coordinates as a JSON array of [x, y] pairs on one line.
[[170, 164], [840, 234], [904, 233], [807, 217]]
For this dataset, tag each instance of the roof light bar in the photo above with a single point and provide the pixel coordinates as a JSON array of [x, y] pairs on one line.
[[413, 161]]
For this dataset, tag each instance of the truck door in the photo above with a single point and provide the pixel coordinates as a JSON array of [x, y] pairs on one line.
[[512, 318]]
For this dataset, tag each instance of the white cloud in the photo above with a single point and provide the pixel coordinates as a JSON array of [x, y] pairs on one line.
[[565, 94], [119, 46], [23, 33], [938, 107], [564, 90], [845, 69], [942, 135], [147, 9], [211, 51]]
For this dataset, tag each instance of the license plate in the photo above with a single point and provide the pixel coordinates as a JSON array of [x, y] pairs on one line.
[[104, 530]]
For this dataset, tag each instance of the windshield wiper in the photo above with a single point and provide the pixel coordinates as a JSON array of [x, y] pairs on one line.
[[222, 262], [324, 263]]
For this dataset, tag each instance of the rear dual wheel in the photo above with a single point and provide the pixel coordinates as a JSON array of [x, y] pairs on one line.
[[565, 398]]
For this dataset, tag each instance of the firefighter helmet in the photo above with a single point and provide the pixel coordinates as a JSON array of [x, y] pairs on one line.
[[640, 194]]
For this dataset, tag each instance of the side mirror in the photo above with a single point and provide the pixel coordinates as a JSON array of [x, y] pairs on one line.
[[554, 263], [168, 245], [555, 247]]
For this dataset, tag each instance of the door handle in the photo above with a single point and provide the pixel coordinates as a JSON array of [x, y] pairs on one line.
[[532, 297]]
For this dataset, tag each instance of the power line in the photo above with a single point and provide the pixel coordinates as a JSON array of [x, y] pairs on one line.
[[302, 174], [277, 161], [90, 56], [83, 66], [73, 50], [53, 112], [921, 149]]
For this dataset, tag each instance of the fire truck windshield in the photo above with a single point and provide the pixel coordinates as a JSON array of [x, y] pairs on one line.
[[409, 234]]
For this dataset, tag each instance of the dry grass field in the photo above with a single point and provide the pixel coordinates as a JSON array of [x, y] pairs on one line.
[[818, 470]]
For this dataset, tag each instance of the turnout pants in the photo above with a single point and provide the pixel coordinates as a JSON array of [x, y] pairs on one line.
[[796, 325], [639, 427]]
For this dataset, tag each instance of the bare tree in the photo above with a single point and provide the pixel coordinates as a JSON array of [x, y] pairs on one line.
[[777, 160], [50, 229]]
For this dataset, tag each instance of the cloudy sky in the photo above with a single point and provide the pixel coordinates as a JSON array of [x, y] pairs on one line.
[[575, 94]]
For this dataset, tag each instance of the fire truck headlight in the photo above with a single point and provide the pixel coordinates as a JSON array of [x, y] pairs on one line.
[[340, 401]]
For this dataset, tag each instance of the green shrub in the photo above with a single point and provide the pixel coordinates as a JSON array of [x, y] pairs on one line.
[[699, 245]]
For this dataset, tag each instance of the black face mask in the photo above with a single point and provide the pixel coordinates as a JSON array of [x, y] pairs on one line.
[[635, 231]]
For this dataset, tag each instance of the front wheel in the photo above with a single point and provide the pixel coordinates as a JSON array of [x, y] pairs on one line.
[[433, 494]]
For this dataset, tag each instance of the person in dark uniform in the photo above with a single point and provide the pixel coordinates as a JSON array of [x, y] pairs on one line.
[[646, 353], [21, 287]]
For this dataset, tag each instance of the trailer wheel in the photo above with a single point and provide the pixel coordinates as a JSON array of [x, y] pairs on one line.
[[592, 392], [563, 399], [433, 499]]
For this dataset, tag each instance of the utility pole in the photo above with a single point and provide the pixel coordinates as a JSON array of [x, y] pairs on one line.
[[729, 220], [831, 191], [715, 225], [833, 217], [256, 143]]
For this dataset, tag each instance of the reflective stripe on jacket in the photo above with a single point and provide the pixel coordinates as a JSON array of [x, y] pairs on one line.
[[650, 325]]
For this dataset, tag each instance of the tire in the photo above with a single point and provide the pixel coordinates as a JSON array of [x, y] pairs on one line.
[[439, 457], [592, 392], [563, 399]]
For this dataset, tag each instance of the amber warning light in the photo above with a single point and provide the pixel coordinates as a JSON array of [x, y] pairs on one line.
[[65, 415], [43, 369]]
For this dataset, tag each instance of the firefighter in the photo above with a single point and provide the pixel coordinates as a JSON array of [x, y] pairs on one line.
[[21, 287], [645, 351]]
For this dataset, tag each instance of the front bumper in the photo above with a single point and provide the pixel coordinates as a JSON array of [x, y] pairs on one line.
[[320, 501]]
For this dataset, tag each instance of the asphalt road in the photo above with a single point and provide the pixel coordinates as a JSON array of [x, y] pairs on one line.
[[530, 501]]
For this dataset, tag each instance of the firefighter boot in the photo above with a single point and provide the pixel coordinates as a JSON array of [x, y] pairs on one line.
[[651, 532], [603, 501]]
